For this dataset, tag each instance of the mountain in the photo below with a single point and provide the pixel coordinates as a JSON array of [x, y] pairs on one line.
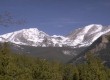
[[70, 48], [33, 37], [87, 35], [100, 48]]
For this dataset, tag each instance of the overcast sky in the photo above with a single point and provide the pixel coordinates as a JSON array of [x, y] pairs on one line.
[[56, 16]]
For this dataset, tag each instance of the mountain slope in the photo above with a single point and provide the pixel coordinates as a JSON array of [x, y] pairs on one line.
[[61, 54], [100, 48], [87, 35], [33, 37]]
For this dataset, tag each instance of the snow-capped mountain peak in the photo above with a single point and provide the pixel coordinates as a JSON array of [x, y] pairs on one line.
[[29, 36], [88, 34], [34, 37]]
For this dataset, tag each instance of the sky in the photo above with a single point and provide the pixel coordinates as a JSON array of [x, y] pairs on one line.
[[58, 17]]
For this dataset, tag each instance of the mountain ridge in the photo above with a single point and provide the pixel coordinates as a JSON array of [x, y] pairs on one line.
[[34, 37]]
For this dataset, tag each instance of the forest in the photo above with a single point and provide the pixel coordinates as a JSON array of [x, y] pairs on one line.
[[23, 67]]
